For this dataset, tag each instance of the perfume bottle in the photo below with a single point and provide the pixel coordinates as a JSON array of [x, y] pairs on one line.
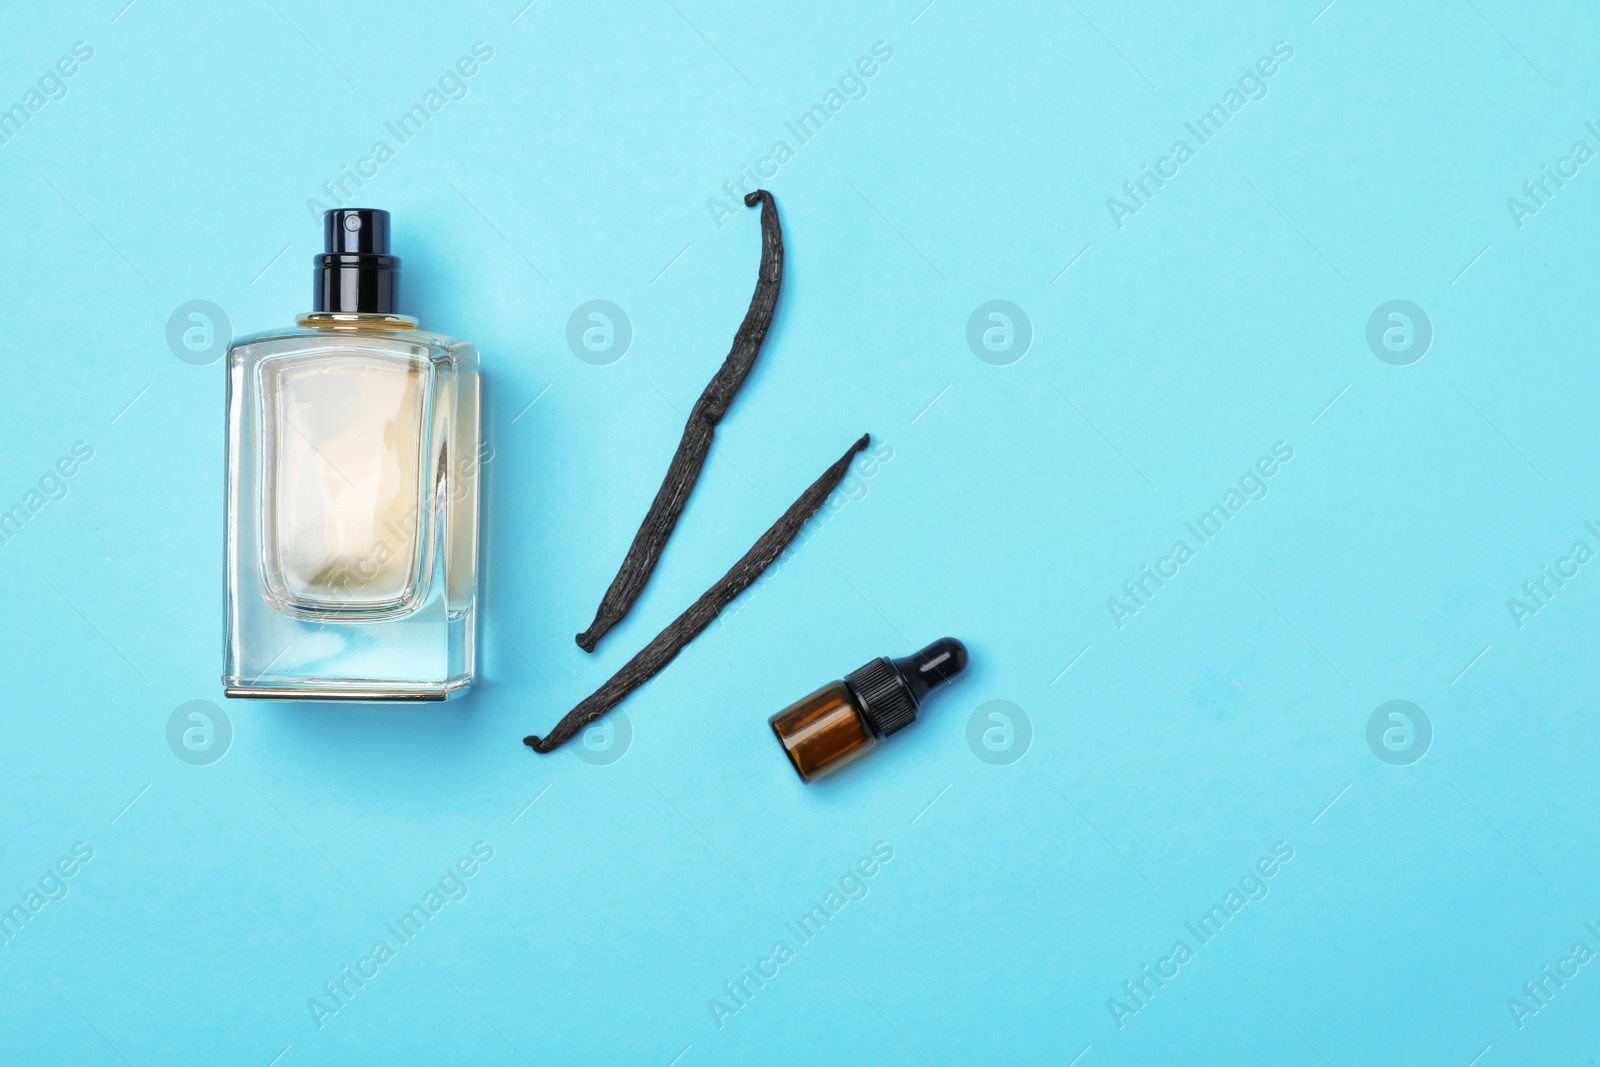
[[352, 492], [844, 720]]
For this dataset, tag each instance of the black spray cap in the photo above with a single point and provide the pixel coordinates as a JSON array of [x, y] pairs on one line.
[[888, 691], [355, 271]]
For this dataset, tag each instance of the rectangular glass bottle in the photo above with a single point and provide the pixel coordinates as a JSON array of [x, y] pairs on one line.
[[352, 506]]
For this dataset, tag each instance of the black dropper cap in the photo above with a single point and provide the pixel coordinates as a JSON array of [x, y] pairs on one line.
[[888, 691], [355, 271]]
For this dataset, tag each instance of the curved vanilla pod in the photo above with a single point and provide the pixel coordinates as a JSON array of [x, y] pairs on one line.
[[686, 627], [698, 432]]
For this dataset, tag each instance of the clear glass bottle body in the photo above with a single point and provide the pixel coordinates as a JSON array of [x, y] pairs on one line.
[[352, 511]]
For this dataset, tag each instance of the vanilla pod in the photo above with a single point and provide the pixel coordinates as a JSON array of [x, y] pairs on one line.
[[686, 627], [698, 432]]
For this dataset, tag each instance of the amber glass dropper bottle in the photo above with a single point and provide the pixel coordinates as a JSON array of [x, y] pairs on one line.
[[844, 719]]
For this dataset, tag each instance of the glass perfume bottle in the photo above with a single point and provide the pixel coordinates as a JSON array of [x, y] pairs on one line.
[[352, 492], [844, 720]]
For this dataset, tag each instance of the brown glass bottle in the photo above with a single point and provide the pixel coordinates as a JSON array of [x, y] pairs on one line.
[[845, 719]]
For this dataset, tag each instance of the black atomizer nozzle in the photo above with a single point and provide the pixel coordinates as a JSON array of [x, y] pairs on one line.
[[355, 272], [844, 719]]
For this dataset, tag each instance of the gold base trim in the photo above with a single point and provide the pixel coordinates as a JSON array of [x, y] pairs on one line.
[[355, 320]]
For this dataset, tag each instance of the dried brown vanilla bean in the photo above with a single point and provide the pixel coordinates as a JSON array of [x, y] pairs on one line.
[[695, 445], [686, 627]]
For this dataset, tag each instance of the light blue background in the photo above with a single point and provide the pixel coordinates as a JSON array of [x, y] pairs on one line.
[[1227, 715]]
